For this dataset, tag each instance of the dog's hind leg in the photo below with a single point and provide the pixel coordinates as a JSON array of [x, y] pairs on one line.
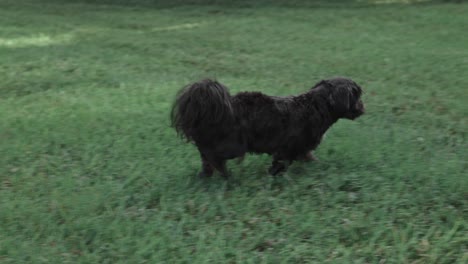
[[207, 168], [211, 162], [220, 165]]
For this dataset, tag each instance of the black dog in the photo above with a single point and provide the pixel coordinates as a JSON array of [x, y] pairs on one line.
[[288, 128]]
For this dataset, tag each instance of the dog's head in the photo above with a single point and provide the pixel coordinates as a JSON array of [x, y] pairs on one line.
[[344, 97]]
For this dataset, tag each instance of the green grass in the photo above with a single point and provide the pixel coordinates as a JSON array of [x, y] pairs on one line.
[[91, 172]]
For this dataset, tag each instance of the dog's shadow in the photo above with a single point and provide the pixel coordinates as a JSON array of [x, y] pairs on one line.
[[253, 174]]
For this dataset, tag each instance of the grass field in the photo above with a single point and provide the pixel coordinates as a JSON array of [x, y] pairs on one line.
[[91, 172]]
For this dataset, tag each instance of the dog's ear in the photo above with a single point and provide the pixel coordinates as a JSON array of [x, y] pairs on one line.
[[339, 99]]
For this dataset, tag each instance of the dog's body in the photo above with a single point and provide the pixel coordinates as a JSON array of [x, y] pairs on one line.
[[225, 127]]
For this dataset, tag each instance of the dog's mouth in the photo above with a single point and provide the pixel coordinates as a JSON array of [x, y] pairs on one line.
[[356, 112], [353, 115]]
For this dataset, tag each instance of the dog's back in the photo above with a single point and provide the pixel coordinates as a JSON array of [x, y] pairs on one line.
[[264, 120]]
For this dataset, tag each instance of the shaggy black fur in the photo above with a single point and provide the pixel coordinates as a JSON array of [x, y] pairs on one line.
[[225, 127]]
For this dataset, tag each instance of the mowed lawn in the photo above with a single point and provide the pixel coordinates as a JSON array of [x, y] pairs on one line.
[[91, 172]]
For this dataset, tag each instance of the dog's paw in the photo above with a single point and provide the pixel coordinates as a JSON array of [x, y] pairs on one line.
[[226, 175], [276, 169], [204, 174], [309, 156]]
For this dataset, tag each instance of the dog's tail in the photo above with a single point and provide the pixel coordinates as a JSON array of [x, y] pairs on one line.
[[200, 106]]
